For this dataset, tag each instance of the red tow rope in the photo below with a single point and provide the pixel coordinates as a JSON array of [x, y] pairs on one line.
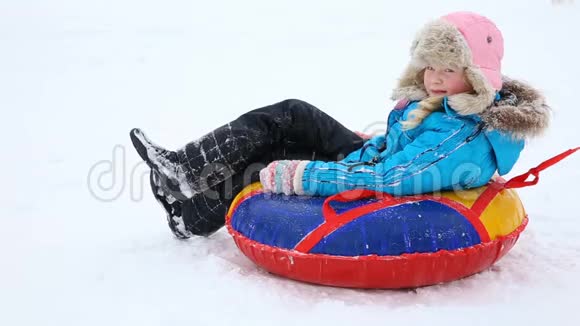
[[519, 181]]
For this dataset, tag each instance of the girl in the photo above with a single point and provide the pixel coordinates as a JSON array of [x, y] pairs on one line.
[[457, 122]]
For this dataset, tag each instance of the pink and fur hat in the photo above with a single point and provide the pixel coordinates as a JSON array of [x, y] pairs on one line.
[[461, 40]]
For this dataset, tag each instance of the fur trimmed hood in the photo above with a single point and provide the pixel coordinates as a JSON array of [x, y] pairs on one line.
[[522, 111]]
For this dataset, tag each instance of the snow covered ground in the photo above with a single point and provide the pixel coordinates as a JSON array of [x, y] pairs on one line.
[[82, 241]]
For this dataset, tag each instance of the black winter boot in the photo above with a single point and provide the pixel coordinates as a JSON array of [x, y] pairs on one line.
[[170, 171]]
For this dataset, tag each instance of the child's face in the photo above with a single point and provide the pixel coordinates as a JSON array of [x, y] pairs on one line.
[[444, 81]]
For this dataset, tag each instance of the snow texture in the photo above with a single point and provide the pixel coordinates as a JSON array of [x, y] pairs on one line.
[[82, 240]]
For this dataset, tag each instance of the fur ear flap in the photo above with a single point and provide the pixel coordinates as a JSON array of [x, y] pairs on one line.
[[410, 85], [466, 104], [411, 93]]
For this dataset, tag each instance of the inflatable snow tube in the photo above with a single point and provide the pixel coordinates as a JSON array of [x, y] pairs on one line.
[[363, 239]]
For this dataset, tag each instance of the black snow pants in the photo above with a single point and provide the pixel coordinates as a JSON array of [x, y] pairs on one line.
[[231, 157]]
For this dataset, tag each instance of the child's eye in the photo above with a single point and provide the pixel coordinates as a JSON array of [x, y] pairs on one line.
[[449, 70], [429, 68]]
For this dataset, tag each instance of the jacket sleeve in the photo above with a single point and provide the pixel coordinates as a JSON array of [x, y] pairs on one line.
[[369, 149], [438, 159]]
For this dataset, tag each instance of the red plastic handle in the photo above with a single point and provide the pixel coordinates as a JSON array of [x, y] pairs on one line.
[[347, 196]]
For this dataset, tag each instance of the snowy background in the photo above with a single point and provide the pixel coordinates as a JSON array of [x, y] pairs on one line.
[[83, 242]]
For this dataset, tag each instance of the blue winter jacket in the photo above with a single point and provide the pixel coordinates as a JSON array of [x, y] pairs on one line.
[[446, 151]]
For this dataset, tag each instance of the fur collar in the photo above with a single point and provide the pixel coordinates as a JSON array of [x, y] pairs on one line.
[[522, 111]]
